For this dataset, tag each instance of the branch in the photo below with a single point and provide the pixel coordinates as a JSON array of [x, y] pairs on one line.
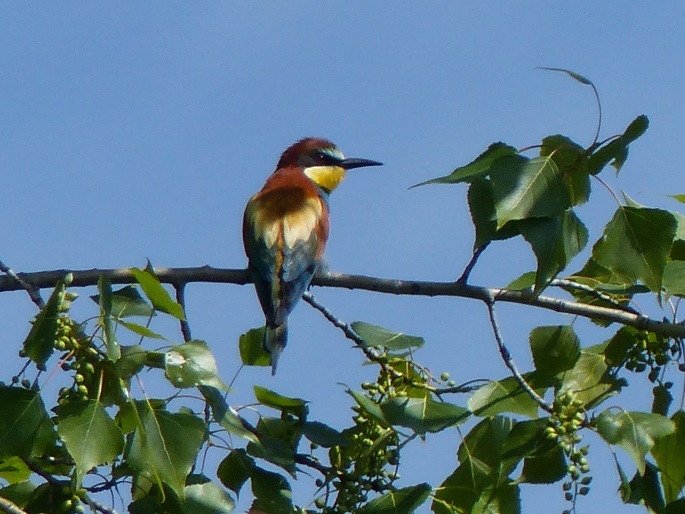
[[506, 357], [31, 290], [208, 274], [9, 507]]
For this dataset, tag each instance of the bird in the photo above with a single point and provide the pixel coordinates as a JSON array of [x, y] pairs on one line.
[[285, 230]]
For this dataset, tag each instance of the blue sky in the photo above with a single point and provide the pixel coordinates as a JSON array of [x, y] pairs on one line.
[[132, 131]]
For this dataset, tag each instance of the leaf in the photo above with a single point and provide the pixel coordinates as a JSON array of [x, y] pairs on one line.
[[544, 461], [192, 364], [141, 330], [636, 243], [370, 408], [373, 335], [635, 432], [554, 348], [89, 434], [481, 469], [645, 490], [235, 470], [252, 352], [14, 470], [546, 468], [525, 281], [272, 492], [555, 241], [528, 188], [482, 207], [570, 158], [24, 425], [127, 302], [277, 401], [587, 380], [479, 167], [202, 496], [400, 501], [504, 395], [39, 344], [158, 296], [575, 76], [616, 150], [423, 414], [505, 499], [669, 454], [105, 318], [226, 416], [323, 435], [165, 445], [680, 198], [674, 278]]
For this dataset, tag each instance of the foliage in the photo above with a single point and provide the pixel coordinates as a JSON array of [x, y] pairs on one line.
[[98, 434]]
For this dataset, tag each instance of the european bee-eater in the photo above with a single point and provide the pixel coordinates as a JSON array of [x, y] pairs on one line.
[[285, 229]]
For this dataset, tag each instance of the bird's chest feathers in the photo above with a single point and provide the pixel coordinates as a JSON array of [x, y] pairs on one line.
[[288, 219], [326, 177]]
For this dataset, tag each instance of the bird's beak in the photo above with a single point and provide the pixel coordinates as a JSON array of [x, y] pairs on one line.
[[354, 162]]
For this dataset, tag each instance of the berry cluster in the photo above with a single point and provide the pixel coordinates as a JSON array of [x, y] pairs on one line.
[[567, 418], [653, 352]]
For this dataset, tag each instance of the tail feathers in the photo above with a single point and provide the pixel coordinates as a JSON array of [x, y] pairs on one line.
[[275, 339]]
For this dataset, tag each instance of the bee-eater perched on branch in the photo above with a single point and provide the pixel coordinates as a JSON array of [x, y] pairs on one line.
[[285, 229]]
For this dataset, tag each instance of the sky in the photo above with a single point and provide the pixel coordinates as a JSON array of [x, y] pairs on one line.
[[133, 131]]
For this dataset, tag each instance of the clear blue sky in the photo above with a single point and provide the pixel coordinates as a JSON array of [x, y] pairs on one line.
[[132, 131]]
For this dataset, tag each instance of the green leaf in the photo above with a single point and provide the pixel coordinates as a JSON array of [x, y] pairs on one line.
[[24, 425], [141, 330], [252, 352], [423, 414], [554, 348], [505, 499], [645, 490], [669, 454], [555, 241], [369, 407], [132, 360], [272, 492], [165, 445], [620, 345], [278, 440], [127, 302], [105, 318], [89, 434], [235, 470], [373, 335], [525, 281], [674, 278], [14, 470], [498, 396], [192, 364], [226, 416], [479, 167], [680, 198], [544, 461], [277, 401], [323, 435], [400, 501], [528, 188], [39, 344], [482, 207], [202, 496], [481, 470], [635, 432], [20, 493], [571, 160], [158, 296], [587, 380], [616, 150], [545, 468], [636, 244]]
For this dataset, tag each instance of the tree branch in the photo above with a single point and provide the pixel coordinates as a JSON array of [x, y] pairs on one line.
[[83, 278]]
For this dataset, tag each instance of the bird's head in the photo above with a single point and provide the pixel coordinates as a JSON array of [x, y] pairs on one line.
[[321, 161]]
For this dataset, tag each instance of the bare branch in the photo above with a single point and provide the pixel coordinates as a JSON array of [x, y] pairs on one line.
[[31, 290], [509, 362], [181, 299], [83, 278], [9, 507]]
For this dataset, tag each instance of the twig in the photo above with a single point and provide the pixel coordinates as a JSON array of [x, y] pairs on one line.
[[371, 353], [472, 263], [84, 278], [509, 362], [31, 290], [180, 288], [570, 284], [98, 506]]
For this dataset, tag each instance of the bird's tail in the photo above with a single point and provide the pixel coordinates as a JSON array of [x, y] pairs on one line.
[[275, 339]]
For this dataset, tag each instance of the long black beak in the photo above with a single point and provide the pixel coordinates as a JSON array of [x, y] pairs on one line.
[[354, 162]]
